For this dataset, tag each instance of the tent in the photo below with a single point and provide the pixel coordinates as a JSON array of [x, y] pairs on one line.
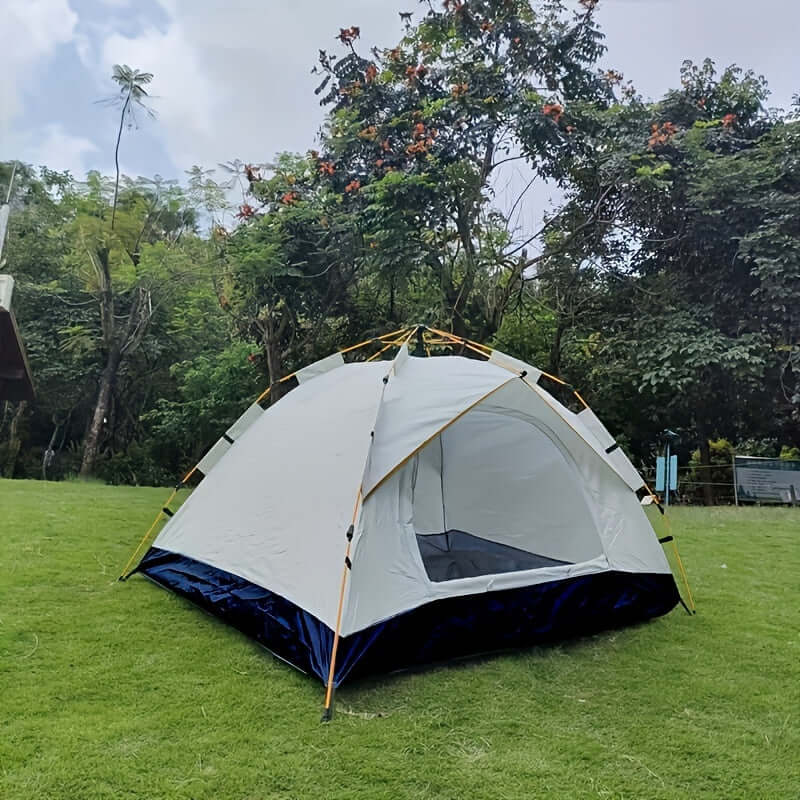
[[385, 514]]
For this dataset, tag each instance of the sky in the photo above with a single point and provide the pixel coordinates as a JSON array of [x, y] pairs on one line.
[[232, 79]]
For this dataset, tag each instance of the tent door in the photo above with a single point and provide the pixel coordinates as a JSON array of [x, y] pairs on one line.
[[494, 494]]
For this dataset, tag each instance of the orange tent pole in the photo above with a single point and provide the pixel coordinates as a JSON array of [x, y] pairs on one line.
[[327, 712]]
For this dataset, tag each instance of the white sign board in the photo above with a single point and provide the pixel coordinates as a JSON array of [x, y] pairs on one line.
[[766, 480]]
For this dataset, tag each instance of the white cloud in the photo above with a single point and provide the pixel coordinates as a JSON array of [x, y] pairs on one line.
[[648, 41], [232, 80], [30, 32], [179, 90], [53, 146]]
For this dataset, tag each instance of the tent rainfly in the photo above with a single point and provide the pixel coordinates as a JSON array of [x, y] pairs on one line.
[[387, 514]]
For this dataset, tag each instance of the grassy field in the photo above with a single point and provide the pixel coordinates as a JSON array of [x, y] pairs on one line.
[[123, 690]]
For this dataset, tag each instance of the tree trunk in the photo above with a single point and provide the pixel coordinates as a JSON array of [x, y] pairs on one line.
[[705, 462], [465, 225], [91, 448], [116, 162], [49, 453], [14, 440], [554, 367], [272, 351]]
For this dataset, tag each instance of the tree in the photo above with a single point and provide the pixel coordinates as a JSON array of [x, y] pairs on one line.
[[131, 96], [36, 244], [126, 285], [416, 135], [289, 265], [692, 332]]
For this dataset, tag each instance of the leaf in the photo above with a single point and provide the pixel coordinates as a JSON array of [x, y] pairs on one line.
[[325, 81]]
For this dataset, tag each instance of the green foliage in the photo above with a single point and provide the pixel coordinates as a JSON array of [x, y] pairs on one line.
[[59, 240], [139, 465], [790, 453], [665, 286], [212, 390], [695, 258], [718, 471], [416, 133], [763, 448]]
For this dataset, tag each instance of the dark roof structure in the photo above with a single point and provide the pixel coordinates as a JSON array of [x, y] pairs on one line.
[[16, 382]]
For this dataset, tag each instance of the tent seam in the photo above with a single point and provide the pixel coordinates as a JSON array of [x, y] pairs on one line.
[[427, 441]]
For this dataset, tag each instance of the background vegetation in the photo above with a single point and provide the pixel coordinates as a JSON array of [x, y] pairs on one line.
[[664, 283]]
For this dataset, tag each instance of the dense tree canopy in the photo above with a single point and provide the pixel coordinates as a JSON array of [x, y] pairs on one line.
[[665, 285]]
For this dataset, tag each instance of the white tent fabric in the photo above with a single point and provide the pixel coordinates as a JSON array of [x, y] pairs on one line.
[[563, 488], [438, 444], [616, 456], [213, 456], [421, 397], [320, 367], [503, 360], [586, 423], [274, 510]]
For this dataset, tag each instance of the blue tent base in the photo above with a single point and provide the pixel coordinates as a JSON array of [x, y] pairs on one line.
[[441, 630]]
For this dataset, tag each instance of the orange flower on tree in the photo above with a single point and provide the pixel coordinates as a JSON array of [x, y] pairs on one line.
[[245, 211], [589, 5], [371, 73], [415, 73], [459, 90], [419, 131], [487, 26], [326, 168], [370, 133], [290, 198], [728, 120], [353, 186], [349, 35], [553, 110], [661, 134], [352, 89]]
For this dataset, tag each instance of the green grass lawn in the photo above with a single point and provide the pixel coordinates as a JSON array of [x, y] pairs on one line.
[[123, 690]]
